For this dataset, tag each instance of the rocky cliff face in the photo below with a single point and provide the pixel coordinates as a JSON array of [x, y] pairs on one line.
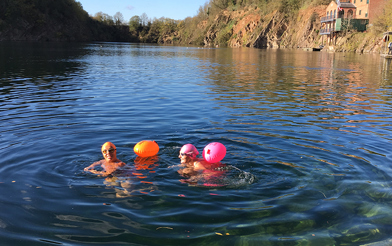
[[249, 28], [272, 33]]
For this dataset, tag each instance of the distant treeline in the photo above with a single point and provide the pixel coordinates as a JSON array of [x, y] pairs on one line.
[[66, 20], [192, 30], [54, 20], [189, 30]]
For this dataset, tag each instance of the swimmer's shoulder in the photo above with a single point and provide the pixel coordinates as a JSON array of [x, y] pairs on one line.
[[206, 165], [200, 165]]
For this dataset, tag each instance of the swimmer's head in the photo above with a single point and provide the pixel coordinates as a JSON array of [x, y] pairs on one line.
[[108, 146], [189, 150], [109, 151]]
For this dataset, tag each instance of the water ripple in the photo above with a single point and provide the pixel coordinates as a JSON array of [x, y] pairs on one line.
[[307, 136]]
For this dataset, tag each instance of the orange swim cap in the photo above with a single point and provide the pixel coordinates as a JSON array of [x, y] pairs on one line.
[[108, 144]]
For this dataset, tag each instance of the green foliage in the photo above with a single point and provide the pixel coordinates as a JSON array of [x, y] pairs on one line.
[[37, 10], [225, 33], [134, 24], [353, 42], [55, 20], [2, 24], [193, 30], [290, 7], [104, 18]]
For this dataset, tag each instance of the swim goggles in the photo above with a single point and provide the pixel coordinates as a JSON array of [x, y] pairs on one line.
[[108, 150]]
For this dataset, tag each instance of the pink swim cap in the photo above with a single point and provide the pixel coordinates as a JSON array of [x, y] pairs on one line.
[[190, 150]]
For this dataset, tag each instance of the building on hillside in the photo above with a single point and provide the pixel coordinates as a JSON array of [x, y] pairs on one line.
[[349, 15], [369, 9], [376, 7]]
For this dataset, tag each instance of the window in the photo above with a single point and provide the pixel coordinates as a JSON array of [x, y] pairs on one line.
[[355, 1], [366, 15], [367, 1], [360, 12], [334, 14]]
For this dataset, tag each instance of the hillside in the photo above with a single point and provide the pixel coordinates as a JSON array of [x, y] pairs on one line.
[[232, 23], [47, 20], [273, 24], [252, 29]]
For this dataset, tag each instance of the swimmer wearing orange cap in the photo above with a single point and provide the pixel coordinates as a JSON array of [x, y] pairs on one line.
[[109, 164]]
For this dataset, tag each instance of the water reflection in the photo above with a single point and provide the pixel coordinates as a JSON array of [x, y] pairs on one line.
[[39, 62], [328, 95], [313, 129], [128, 180]]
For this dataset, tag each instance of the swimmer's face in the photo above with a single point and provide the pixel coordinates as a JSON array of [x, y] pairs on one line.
[[184, 158], [109, 151]]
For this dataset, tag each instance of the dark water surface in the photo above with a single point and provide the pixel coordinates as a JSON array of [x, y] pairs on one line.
[[314, 128]]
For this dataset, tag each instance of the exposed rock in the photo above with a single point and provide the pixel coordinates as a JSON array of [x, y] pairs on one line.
[[271, 35], [245, 29], [168, 38], [250, 29], [220, 21]]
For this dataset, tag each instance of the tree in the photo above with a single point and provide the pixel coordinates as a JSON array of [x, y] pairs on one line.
[[203, 11], [118, 19], [144, 20], [221, 4], [107, 19], [104, 18], [134, 23], [98, 16]]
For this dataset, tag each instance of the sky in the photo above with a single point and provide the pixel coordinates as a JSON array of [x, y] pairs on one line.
[[173, 9]]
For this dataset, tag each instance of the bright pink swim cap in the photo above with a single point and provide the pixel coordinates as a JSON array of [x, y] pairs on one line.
[[190, 150]]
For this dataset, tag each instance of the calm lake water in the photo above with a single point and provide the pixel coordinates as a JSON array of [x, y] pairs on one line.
[[314, 129]]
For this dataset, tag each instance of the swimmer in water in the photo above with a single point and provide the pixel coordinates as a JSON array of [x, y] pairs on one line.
[[201, 173], [192, 164], [110, 164], [197, 169]]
